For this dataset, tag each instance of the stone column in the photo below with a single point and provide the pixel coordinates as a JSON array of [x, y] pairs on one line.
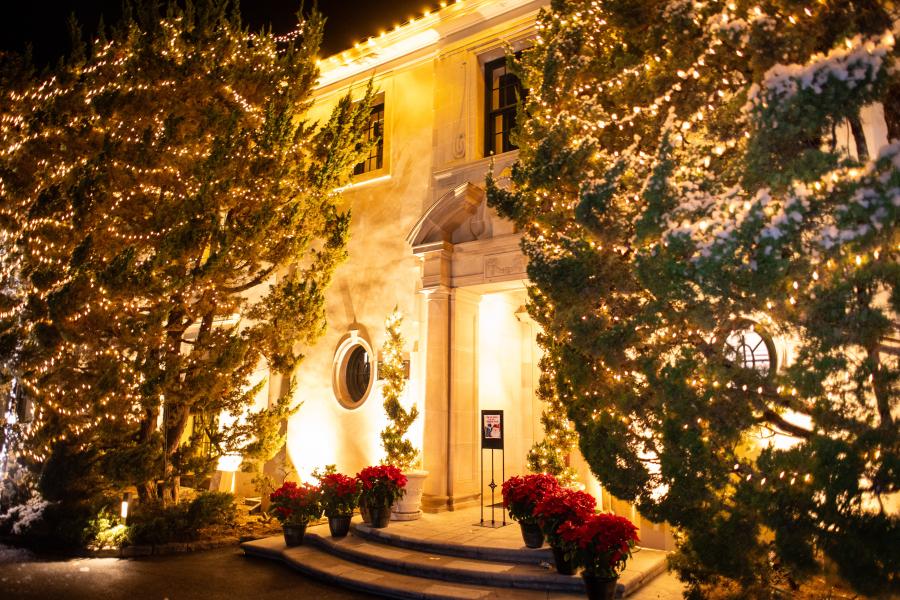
[[435, 286], [464, 439]]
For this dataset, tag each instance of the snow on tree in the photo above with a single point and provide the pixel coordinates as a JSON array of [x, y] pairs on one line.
[[691, 173], [168, 223]]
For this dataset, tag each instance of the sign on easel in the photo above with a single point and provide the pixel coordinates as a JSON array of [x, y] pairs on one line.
[[492, 429], [492, 439]]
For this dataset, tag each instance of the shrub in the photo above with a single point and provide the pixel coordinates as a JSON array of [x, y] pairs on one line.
[[153, 523]]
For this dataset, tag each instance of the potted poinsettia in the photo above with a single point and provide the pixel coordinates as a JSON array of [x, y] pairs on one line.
[[339, 495], [602, 544], [558, 507], [295, 505], [520, 496], [380, 486]]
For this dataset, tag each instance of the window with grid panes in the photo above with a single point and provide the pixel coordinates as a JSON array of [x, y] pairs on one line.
[[375, 159], [502, 91]]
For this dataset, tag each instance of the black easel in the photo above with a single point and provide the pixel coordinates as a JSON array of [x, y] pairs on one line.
[[492, 439]]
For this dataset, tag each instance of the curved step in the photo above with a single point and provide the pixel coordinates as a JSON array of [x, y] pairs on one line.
[[523, 555], [446, 568], [315, 562]]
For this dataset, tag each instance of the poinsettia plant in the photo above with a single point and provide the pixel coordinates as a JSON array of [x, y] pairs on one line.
[[296, 504], [602, 544], [381, 485], [560, 506], [522, 494], [339, 494]]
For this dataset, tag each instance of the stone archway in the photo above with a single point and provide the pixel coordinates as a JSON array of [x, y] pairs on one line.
[[465, 250]]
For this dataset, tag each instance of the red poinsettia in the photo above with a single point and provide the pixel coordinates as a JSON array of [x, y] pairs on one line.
[[602, 543], [381, 485], [560, 506], [521, 494], [339, 494], [296, 504]]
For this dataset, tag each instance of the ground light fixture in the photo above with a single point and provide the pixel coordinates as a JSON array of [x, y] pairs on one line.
[[126, 497]]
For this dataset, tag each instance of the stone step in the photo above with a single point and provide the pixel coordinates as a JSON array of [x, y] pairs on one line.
[[440, 545], [316, 562], [446, 568]]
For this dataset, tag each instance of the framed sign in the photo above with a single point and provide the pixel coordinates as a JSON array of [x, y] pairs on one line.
[[492, 429]]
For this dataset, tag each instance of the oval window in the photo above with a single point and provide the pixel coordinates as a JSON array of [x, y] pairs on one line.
[[353, 371]]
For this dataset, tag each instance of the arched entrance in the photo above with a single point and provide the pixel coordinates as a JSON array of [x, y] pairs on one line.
[[479, 347]]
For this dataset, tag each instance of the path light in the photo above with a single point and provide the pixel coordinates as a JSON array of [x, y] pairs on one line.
[[125, 499]]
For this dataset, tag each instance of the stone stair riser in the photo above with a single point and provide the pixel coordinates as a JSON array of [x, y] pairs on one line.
[[550, 581], [522, 557]]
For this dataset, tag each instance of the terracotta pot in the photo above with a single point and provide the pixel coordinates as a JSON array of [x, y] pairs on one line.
[[339, 525], [531, 534], [599, 588], [380, 515], [408, 508], [563, 566], [293, 533]]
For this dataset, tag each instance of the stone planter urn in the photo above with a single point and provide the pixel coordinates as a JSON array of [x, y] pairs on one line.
[[409, 507]]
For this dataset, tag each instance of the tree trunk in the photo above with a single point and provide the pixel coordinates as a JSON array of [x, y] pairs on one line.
[[892, 112], [856, 128]]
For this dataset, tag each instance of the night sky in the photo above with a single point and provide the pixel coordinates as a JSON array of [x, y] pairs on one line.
[[44, 24]]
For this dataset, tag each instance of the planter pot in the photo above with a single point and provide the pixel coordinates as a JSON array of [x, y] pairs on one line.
[[364, 513], [380, 515], [599, 588], [531, 534], [409, 507], [563, 566], [293, 533], [339, 525]]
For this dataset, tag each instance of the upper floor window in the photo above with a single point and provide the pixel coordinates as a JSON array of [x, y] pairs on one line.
[[375, 159], [751, 350], [502, 90]]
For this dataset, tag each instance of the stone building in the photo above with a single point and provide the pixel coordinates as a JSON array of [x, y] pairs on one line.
[[424, 240]]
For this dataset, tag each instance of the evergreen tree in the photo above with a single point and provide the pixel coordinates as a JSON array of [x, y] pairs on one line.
[[689, 172], [399, 451], [168, 225], [551, 454]]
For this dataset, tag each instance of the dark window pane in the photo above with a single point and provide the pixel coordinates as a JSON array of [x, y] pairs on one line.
[[359, 370], [376, 131], [502, 92]]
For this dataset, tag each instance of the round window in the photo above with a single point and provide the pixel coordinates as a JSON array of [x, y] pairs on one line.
[[353, 372], [751, 350]]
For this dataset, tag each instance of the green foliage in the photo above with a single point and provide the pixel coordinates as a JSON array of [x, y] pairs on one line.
[[168, 225], [399, 451], [551, 454], [690, 171], [154, 523]]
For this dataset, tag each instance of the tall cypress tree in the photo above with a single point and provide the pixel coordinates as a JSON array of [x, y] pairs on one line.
[[689, 172], [168, 223]]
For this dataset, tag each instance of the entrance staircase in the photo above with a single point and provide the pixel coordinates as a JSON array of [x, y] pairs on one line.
[[475, 563]]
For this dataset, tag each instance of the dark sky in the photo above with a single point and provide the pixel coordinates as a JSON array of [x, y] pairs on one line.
[[44, 23]]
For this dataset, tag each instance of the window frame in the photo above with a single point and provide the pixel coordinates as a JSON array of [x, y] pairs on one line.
[[377, 153], [509, 113]]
